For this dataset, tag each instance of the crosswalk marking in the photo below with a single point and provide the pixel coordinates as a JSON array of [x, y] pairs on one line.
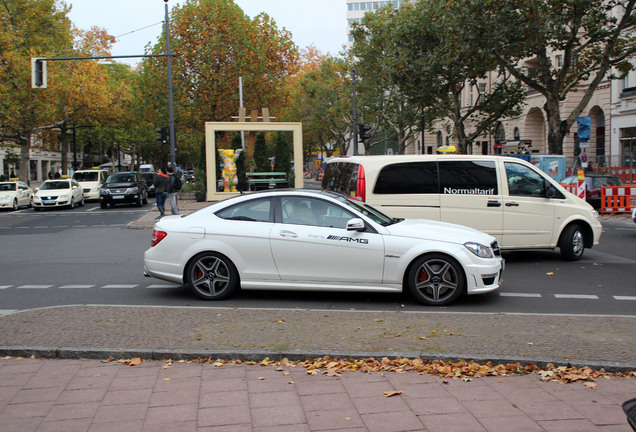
[[5, 286], [119, 286], [511, 294], [624, 297], [34, 286], [161, 286], [77, 286]]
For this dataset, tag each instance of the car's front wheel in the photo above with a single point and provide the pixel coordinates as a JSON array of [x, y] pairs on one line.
[[436, 280], [212, 276], [15, 205], [572, 243]]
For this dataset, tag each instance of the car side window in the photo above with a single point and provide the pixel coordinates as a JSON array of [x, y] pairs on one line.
[[523, 181], [259, 210], [314, 212]]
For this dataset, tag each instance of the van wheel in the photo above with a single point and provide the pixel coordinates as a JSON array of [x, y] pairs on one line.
[[572, 243], [436, 280]]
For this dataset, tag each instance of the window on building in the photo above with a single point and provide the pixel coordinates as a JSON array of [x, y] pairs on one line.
[[517, 134], [482, 93], [559, 60]]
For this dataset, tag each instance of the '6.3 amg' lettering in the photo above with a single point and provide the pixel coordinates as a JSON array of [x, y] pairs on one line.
[[348, 239]]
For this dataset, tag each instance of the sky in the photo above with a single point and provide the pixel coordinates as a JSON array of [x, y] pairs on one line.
[[138, 22]]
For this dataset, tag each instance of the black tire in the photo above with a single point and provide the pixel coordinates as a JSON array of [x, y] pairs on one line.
[[72, 204], [212, 276], [436, 280], [36, 209], [572, 243], [82, 202], [15, 205], [103, 205]]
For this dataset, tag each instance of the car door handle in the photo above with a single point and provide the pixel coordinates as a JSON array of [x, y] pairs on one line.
[[494, 204], [512, 204], [288, 234]]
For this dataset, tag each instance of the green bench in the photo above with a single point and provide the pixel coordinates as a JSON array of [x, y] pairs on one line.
[[266, 180]]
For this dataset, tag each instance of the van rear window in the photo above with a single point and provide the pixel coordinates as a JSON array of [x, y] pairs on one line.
[[341, 177], [408, 178]]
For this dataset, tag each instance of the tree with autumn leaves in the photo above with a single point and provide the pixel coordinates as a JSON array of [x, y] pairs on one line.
[[216, 43]]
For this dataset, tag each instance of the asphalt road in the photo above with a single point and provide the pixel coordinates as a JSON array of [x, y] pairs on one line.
[[88, 256]]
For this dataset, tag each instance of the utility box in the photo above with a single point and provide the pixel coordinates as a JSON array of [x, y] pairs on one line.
[[553, 165]]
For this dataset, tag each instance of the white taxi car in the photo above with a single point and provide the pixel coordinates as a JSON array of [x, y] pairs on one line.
[[312, 240], [58, 193], [15, 194]]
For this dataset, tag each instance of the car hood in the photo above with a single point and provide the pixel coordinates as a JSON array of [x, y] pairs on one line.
[[439, 231], [120, 185], [47, 192]]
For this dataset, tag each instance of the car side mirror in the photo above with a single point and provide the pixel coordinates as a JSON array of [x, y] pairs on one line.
[[550, 191], [356, 224]]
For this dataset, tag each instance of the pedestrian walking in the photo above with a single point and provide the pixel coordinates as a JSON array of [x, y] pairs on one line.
[[161, 181], [173, 187]]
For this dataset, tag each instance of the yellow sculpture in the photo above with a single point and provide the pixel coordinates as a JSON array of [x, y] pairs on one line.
[[230, 180]]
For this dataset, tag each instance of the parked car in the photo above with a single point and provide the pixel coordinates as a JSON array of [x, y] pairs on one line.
[[593, 185], [127, 187], [149, 178], [15, 194], [58, 193], [634, 214], [312, 240], [91, 181]]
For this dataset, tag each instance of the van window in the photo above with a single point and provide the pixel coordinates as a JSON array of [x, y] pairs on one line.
[[408, 178], [468, 178], [341, 177], [523, 181]]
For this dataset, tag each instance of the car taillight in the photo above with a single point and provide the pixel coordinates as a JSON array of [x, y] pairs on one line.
[[594, 192], [157, 236], [360, 184]]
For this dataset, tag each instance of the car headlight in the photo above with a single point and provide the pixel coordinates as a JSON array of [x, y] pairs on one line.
[[5, 198], [596, 215], [64, 196], [132, 191], [95, 189], [479, 250], [104, 192]]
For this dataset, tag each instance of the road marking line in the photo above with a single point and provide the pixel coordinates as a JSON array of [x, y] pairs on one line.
[[576, 296], [511, 294], [77, 286], [35, 286], [161, 286], [5, 286], [7, 311], [624, 297], [119, 286]]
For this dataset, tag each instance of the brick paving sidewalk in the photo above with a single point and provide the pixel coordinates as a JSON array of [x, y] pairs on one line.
[[91, 395]]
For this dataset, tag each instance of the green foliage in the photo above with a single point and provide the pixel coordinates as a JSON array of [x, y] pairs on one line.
[[261, 154], [282, 153]]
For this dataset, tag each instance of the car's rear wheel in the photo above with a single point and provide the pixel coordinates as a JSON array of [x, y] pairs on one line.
[[212, 276], [436, 280], [572, 243]]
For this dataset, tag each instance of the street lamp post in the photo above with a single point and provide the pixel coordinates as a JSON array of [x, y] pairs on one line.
[[354, 77], [173, 143]]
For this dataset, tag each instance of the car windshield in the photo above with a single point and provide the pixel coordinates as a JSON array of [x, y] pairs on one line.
[[121, 178], [57, 184], [85, 176], [606, 181], [7, 186], [376, 215]]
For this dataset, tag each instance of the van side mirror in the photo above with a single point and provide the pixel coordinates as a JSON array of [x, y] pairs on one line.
[[356, 224], [550, 191]]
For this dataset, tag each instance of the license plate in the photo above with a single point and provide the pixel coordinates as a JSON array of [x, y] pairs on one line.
[[48, 202], [118, 197]]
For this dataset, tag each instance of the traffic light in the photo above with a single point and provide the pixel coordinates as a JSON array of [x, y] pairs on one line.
[[163, 134], [38, 73], [363, 130]]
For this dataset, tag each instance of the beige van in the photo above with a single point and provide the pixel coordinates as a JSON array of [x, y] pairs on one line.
[[91, 181], [511, 199]]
